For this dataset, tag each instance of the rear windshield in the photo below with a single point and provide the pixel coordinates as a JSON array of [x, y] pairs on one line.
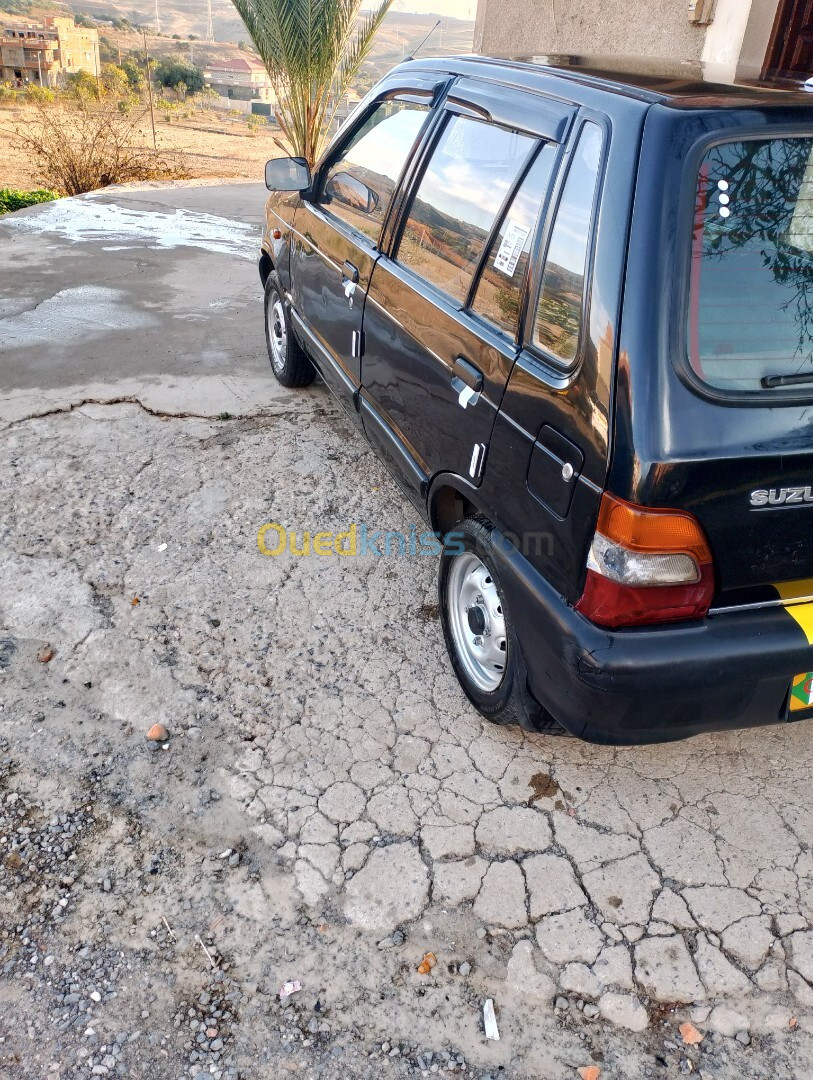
[[750, 322]]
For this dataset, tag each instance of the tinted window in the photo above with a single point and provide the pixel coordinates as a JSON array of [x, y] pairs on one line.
[[471, 171], [359, 185], [751, 298], [559, 312], [500, 287]]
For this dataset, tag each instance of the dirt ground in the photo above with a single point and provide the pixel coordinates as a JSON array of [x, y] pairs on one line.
[[324, 807], [214, 144]]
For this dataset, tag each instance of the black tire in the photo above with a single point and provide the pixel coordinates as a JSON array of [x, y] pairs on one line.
[[510, 702], [289, 361]]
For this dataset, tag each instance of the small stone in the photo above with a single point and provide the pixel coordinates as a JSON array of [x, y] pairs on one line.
[[481, 932], [591, 1011], [561, 1004], [45, 653], [743, 1038], [95, 996], [589, 1072], [465, 968], [690, 1035], [398, 938], [158, 733]]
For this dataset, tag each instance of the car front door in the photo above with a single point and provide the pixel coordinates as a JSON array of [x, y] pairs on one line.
[[441, 315], [336, 232]]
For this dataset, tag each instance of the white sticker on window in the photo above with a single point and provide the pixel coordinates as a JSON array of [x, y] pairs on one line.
[[511, 247]]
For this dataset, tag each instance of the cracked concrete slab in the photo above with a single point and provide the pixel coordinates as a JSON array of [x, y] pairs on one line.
[[598, 895]]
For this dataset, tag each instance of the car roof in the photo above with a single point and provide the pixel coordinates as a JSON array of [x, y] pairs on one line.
[[683, 84]]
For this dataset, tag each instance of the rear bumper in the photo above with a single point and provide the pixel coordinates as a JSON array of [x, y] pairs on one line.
[[650, 684]]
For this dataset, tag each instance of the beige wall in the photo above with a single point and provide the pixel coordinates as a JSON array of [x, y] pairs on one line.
[[734, 42], [620, 27]]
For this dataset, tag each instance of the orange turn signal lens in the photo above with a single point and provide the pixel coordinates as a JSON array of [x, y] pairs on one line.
[[641, 528]]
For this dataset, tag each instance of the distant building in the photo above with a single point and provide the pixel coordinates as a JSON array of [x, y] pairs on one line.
[[43, 53], [346, 106], [241, 83]]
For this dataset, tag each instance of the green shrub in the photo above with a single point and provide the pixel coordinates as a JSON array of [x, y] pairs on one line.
[[171, 72], [9, 93], [42, 94], [12, 199], [255, 122]]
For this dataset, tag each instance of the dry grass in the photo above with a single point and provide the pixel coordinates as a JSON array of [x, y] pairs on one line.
[[212, 145]]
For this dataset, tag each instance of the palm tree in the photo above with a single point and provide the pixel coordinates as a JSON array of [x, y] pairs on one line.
[[311, 49]]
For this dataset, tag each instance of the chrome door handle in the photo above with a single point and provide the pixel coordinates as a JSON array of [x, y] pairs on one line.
[[467, 381]]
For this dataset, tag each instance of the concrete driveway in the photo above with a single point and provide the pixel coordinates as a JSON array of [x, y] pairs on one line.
[[137, 290], [327, 808]]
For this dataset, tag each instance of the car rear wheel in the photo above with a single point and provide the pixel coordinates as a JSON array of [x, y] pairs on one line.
[[289, 361], [477, 628]]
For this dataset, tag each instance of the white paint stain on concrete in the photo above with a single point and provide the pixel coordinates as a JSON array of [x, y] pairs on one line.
[[83, 312], [124, 228]]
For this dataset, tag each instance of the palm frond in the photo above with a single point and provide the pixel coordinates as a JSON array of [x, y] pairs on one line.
[[312, 50]]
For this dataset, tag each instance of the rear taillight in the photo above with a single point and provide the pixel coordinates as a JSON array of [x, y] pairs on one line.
[[646, 566]]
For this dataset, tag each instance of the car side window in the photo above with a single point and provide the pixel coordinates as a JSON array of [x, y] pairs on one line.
[[359, 185], [561, 298], [499, 289], [472, 169]]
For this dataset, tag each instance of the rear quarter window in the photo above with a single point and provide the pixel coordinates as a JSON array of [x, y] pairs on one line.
[[750, 317]]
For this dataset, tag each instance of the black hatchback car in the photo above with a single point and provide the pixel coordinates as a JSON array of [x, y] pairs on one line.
[[572, 309]]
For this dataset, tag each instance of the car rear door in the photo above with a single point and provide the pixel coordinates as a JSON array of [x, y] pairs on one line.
[[337, 227], [442, 308], [549, 452]]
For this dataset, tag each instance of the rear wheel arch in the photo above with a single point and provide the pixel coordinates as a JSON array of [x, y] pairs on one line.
[[451, 501]]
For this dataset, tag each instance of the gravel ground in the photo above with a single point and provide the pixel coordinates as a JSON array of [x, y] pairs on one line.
[[324, 806]]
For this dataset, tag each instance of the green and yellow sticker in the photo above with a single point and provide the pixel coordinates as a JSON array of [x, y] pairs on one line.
[[801, 692]]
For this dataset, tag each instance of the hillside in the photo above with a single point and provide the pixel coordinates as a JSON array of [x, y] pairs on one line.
[[400, 33]]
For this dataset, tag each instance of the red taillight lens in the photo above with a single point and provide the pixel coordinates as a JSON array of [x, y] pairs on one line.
[[646, 566]]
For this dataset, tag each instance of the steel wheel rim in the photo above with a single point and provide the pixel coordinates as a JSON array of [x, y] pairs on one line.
[[472, 601], [277, 334]]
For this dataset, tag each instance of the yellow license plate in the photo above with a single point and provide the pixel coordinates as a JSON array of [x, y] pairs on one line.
[[801, 692]]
